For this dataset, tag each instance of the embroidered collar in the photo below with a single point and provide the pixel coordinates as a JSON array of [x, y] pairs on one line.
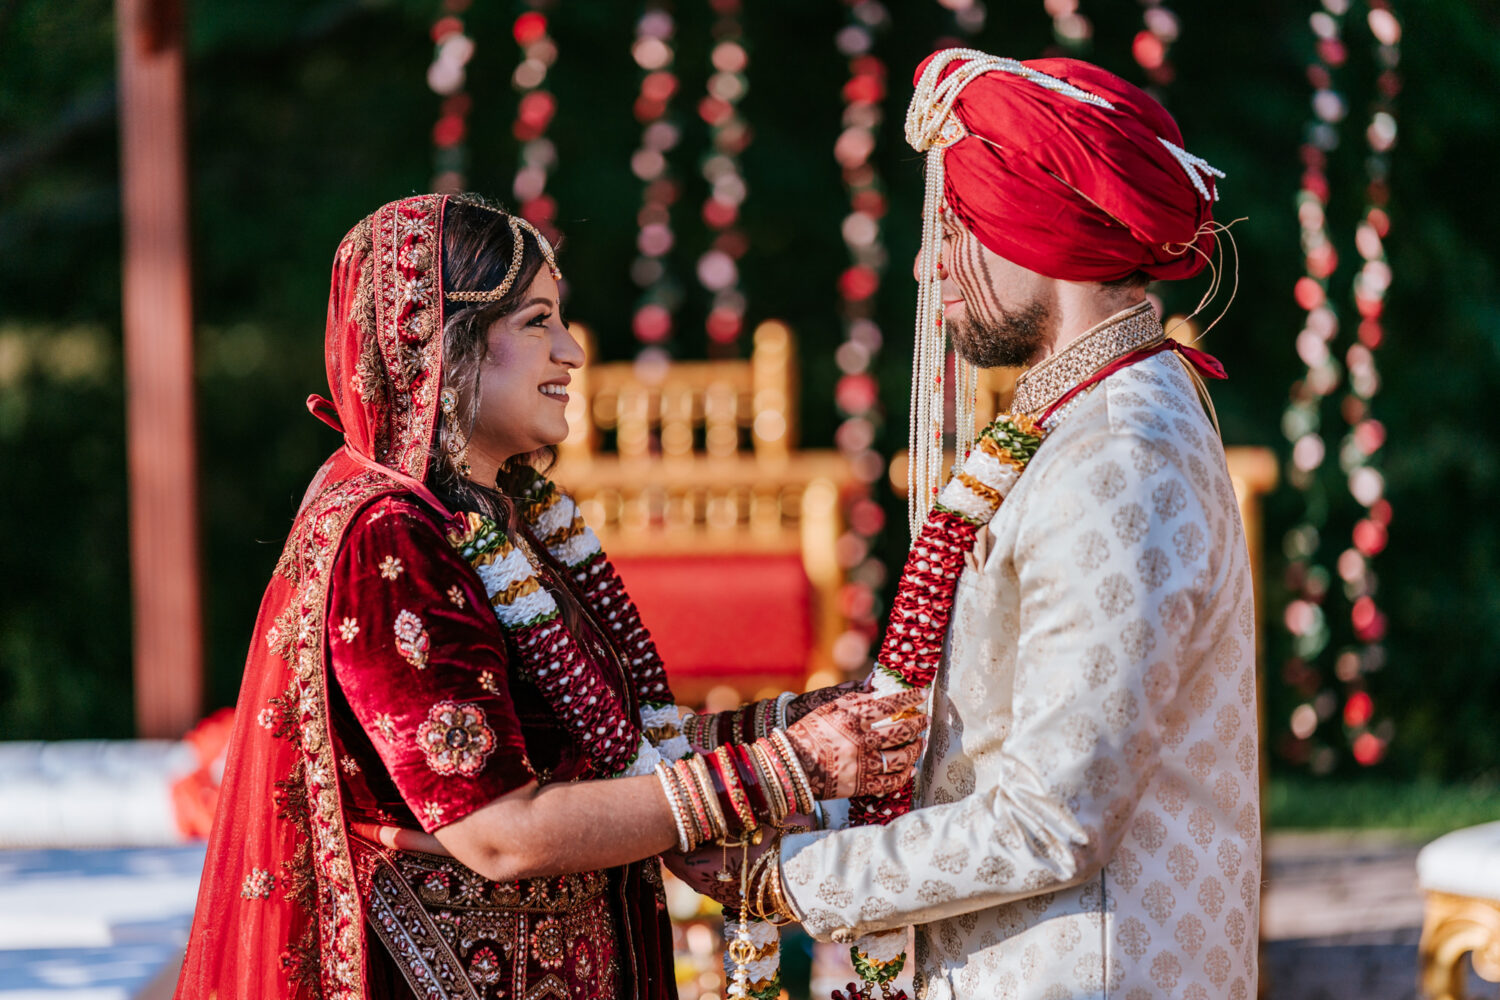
[[1042, 385]]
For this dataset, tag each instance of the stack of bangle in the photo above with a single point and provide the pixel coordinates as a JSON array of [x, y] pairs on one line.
[[766, 900], [742, 725], [726, 795]]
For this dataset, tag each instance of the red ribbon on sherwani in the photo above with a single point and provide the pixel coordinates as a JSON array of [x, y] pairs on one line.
[[1204, 363]]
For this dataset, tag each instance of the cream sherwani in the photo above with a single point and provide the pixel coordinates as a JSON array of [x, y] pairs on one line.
[[1088, 821]]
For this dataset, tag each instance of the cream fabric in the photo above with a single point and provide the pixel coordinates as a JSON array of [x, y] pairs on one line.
[[1088, 821]]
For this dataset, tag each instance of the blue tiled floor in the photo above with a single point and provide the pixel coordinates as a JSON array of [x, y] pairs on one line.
[[92, 924]]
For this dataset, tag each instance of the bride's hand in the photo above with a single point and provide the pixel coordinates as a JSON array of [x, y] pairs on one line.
[[860, 744], [703, 867], [811, 701]]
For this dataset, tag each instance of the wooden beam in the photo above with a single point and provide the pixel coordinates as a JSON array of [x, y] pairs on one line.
[[164, 554]]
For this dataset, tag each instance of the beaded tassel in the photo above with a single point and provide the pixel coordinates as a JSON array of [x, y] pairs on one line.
[[929, 351]]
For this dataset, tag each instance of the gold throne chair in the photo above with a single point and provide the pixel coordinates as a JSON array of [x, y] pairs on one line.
[[723, 530]]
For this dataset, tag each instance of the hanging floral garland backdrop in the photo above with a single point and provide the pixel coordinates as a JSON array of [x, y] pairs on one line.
[[1337, 714]]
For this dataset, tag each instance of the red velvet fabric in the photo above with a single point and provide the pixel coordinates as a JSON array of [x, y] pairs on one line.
[[725, 616], [1069, 189], [410, 630]]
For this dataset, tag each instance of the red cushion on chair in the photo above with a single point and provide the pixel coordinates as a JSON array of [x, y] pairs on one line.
[[728, 618]]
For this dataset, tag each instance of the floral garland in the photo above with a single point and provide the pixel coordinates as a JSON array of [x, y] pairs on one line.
[[552, 657], [857, 392], [913, 644], [652, 50], [729, 135], [534, 113], [446, 77], [1317, 732], [1151, 45]]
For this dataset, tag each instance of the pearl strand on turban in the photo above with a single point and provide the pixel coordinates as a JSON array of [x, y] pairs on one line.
[[931, 127]]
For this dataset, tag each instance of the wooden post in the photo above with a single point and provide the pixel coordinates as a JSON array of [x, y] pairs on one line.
[[164, 558]]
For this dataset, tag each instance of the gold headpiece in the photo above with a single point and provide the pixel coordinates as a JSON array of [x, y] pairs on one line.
[[517, 224]]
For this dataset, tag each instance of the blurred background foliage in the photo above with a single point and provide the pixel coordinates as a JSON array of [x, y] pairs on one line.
[[305, 116]]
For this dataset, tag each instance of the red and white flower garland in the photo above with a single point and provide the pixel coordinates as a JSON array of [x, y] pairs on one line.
[[913, 643], [446, 77], [652, 51], [534, 113], [553, 659], [857, 392], [1151, 45], [729, 135]]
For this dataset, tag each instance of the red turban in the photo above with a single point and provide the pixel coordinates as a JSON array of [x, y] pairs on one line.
[[1072, 188]]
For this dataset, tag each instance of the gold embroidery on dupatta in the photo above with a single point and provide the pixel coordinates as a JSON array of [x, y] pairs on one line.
[[331, 950]]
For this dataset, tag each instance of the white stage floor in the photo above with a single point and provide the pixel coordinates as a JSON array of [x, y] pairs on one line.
[[92, 924]]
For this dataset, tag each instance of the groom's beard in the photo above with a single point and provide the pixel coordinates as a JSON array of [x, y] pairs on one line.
[[1011, 339]]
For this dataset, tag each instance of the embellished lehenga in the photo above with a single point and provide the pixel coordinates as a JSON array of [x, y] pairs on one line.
[[398, 677]]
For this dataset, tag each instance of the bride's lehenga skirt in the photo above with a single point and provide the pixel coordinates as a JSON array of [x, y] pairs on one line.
[[456, 935]]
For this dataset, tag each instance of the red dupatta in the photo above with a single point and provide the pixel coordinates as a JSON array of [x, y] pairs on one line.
[[278, 911]]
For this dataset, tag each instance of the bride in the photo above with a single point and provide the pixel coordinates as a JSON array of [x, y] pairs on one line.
[[456, 758]]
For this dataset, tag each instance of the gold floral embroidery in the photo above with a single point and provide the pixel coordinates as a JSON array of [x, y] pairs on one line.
[[485, 968], [411, 639], [547, 943], [349, 764], [456, 739], [390, 567], [385, 726], [433, 811], [487, 681], [258, 884], [348, 629], [456, 596]]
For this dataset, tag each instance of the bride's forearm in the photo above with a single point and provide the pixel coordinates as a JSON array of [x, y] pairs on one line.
[[555, 829]]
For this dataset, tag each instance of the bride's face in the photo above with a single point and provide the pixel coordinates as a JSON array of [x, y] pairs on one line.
[[524, 376]]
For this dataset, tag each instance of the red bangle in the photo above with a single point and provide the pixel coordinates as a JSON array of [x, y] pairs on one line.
[[780, 773], [695, 800], [736, 802], [721, 790], [750, 781]]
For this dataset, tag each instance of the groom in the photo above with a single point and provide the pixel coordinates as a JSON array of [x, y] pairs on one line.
[[1086, 822]]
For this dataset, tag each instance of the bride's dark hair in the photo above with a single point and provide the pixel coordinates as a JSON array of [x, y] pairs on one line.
[[477, 246]]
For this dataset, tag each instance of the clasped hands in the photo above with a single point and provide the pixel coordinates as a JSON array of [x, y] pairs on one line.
[[849, 743]]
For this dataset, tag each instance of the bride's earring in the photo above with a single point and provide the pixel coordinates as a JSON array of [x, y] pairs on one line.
[[449, 400]]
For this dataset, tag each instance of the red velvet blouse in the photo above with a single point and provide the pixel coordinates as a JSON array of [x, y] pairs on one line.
[[434, 722]]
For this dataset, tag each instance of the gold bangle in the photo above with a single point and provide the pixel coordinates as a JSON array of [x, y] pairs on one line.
[[698, 767], [758, 881], [800, 784], [775, 792], [778, 893], [668, 780]]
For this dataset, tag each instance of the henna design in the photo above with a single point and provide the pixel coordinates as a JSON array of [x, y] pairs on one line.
[[839, 747], [805, 704]]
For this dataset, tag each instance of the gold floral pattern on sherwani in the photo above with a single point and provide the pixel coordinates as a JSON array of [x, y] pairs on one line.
[[1088, 818]]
